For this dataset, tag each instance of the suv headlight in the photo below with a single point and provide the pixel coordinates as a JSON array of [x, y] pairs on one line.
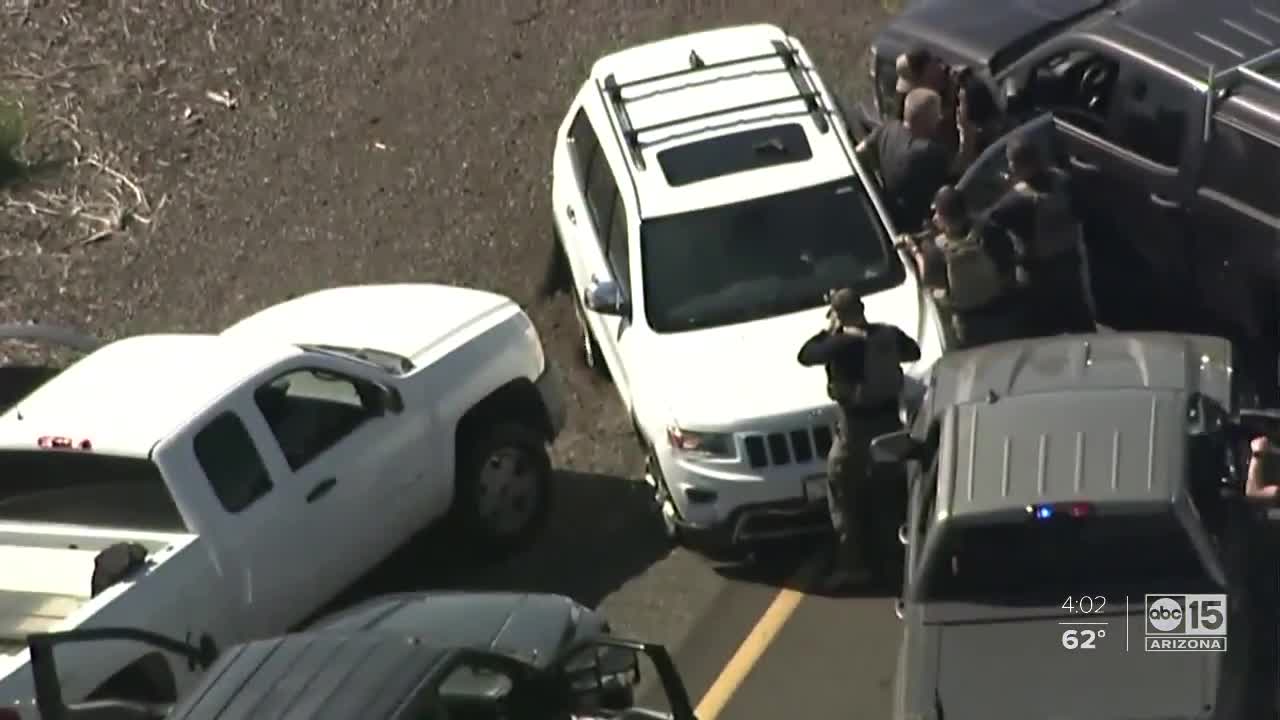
[[700, 443]]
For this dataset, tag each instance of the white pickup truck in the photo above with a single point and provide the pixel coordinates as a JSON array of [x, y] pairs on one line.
[[262, 470]]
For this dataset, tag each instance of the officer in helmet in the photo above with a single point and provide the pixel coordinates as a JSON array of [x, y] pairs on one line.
[[863, 361]]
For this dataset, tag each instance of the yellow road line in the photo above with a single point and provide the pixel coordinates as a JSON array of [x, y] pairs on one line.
[[758, 640]]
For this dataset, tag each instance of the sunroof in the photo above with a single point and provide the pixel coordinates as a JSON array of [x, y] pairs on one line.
[[734, 153]]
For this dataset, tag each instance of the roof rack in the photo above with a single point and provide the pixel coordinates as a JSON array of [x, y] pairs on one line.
[[1220, 83], [790, 56]]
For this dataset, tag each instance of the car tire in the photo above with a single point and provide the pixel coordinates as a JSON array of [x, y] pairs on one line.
[[503, 492]]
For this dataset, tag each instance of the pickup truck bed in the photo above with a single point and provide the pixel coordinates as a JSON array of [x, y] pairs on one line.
[[47, 571]]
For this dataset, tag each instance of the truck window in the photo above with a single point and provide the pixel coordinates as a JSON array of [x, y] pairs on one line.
[[85, 488], [310, 411], [1077, 87], [231, 462], [1116, 554], [1153, 118]]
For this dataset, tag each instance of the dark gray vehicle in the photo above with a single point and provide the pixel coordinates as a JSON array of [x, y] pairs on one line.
[[1054, 483], [1166, 113], [435, 655]]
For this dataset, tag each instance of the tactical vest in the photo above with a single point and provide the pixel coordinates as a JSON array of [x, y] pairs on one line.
[[1056, 229], [881, 381], [973, 278]]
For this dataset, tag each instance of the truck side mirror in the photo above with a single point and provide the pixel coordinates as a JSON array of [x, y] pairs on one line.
[[389, 400], [895, 447]]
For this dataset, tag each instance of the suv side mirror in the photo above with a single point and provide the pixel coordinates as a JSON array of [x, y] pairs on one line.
[[894, 447], [605, 297]]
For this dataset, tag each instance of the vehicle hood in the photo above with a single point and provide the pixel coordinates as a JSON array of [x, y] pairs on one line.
[[971, 32], [534, 627], [405, 320], [711, 379], [1024, 671]]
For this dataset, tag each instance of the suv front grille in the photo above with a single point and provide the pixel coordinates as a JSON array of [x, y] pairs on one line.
[[783, 448]]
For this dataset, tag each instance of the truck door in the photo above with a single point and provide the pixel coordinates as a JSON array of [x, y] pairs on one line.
[[227, 484], [1124, 128], [1236, 213], [354, 472]]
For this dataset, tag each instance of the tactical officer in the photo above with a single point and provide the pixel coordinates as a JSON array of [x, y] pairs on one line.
[[975, 272], [1037, 211], [864, 376], [909, 160]]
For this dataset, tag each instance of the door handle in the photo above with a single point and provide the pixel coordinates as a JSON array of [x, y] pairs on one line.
[[1164, 202], [321, 489], [569, 213], [1079, 164]]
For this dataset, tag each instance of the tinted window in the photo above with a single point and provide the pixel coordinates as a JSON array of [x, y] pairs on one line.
[[582, 143], [601, 190], [733, 153], [1243, 167], [1076, 86], [309, 411], [763, 257], [1108, 554], [230, 460], [1153, 119], [618, 251], [78, 487]]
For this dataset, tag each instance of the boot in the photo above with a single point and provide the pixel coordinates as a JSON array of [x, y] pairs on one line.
[[848, 571]]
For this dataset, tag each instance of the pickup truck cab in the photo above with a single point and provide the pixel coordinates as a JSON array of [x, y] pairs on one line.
[[1166, 116], [1055, 486], [251, 475]]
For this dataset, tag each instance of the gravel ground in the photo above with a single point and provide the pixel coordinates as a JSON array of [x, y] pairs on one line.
[[196, 160]]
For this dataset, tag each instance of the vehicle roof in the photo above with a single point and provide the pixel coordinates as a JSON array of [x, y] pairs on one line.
[[532, 627], [370, 316], [1191, 38], [133, 393], [713, 90], [962, 31], [315, 675], [1115, 446], [1071, 363]]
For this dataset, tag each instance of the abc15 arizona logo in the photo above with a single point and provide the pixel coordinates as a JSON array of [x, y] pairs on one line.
[[1186, 622]]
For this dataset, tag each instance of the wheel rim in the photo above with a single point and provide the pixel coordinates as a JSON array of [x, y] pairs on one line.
[[507, 491]]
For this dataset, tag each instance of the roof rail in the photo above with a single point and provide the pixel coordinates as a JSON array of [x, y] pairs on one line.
[[790, 56], [1221, 83]]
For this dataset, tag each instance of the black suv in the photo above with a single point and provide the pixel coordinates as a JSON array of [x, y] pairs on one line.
[[1054, 484], [1167, 114]]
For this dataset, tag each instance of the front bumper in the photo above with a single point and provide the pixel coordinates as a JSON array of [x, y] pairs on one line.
[[726, 502], [550, 386]]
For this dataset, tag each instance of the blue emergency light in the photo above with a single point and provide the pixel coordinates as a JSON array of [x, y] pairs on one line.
[[1047, 512]]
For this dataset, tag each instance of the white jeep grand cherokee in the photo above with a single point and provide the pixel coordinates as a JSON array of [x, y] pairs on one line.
[[706, 197]]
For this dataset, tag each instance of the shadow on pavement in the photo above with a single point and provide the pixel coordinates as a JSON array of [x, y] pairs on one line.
[[601, 533], [807, 566]]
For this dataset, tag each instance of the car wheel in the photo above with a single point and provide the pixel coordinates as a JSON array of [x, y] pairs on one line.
[[504, 487], [661, 497], [590, 348]]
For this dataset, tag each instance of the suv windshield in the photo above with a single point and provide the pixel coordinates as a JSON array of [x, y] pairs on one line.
[[764, 257], [1102, 555], [75, 487]]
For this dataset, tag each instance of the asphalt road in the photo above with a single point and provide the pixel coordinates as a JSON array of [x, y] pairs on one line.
[[400, 141]]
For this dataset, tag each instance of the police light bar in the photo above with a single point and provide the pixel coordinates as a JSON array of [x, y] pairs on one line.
[[1050, 511]]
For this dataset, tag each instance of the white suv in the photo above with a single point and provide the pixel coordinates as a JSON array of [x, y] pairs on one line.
[[706, 196]]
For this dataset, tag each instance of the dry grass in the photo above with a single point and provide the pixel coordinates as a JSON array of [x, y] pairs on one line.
[[57, 178]]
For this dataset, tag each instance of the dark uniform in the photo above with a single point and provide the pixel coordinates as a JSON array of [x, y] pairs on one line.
[[1040, 216], [976, 277], [864, 376]]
